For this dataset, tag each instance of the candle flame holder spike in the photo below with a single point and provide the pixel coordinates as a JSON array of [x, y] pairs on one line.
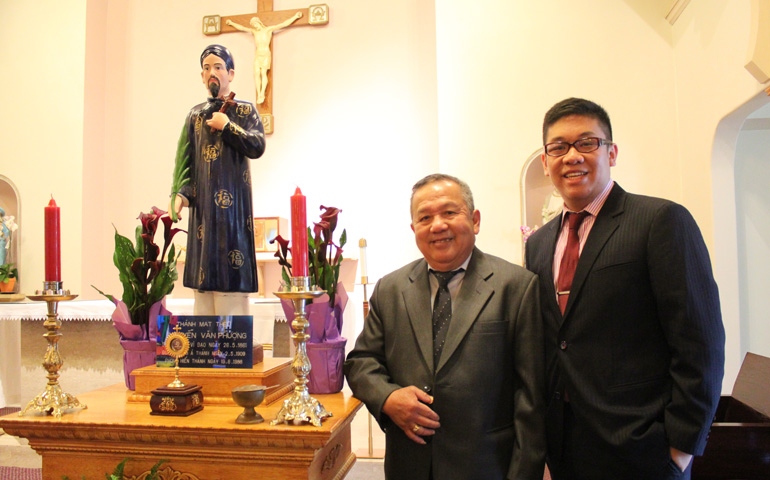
[[53, 399], [300, 407]]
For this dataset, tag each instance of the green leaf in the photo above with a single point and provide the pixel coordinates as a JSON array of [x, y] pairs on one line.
[[181, 175], [109, 297], [118, 472], [154, 470], [163, 284], [139, 242], [124, 253]]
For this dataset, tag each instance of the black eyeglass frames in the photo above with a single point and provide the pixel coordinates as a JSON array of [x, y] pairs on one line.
[[583, 145]]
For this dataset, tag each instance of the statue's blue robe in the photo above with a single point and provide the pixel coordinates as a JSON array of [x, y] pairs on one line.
[[220, 242]]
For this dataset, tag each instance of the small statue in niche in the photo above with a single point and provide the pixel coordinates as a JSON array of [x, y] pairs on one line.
[[7, 227], [552, 207]]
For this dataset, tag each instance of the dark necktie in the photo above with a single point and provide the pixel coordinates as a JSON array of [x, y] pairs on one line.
[[570, 259], [442, 311]]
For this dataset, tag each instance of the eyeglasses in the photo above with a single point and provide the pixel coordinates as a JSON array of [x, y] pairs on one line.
[[584, 145]]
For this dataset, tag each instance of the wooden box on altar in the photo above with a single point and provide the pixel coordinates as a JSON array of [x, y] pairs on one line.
[[217, 383], [177, 401], [739, 441]]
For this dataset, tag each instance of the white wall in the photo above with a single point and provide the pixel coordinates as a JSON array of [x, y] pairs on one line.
[[502, 65], [41, 126]]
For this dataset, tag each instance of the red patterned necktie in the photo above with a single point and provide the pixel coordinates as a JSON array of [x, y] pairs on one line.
[[570, 259]]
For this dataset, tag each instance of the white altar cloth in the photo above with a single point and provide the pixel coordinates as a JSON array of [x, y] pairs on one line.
[[101, 310]]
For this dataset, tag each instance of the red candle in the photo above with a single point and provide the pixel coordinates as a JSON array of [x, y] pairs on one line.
[[52, 243], [298, 234]]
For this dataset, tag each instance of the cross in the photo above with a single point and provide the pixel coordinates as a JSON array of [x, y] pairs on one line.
[[229, 101], [262, 25]]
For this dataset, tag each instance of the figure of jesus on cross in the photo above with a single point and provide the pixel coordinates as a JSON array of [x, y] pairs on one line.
[[262, 25], [262, 55]]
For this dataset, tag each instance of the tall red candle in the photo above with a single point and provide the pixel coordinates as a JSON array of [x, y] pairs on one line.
[[298, 234], [52, 243]]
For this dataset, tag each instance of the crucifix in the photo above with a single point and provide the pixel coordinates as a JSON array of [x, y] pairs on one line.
[[262, 25]]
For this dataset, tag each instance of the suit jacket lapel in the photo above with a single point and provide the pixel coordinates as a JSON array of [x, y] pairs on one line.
[[473, 295], [418, 307], [606, 224], [544, 262]]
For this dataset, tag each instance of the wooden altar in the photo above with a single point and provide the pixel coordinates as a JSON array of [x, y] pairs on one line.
[[206, 446]]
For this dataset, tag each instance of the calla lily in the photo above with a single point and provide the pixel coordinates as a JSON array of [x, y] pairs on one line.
[[330, 216], [168, 233], [281, 254], [145, 275]]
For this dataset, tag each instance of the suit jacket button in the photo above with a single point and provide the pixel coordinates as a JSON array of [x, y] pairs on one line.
[[563, 345], [426, 389]]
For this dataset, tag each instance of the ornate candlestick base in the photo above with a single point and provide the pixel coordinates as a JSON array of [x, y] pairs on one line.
[[300, 407], [53, 400]]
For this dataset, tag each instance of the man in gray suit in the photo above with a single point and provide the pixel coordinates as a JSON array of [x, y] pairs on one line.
[[470, 405], [634, 337]]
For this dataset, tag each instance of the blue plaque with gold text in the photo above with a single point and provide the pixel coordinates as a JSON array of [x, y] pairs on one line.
[[215, 341]]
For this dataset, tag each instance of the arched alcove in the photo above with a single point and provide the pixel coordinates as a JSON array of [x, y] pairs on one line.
[[741, 233], [752, 207], [10, 202], [536, 189]]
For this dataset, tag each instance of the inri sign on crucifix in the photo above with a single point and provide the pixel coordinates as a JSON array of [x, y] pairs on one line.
[[262, 25]]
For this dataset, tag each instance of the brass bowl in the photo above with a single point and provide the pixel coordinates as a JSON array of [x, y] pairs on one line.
[[248, 397]]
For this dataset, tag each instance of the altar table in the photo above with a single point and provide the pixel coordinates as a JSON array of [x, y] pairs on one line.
[[208, 445]]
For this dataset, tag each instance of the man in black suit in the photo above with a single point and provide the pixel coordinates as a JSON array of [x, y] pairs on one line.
[[635, 345], [472, 406]]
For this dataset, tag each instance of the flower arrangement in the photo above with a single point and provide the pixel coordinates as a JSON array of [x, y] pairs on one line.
[[527, 231], [145, 275], [324, 256]]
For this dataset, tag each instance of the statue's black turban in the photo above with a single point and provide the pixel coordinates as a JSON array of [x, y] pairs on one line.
[[221, 52]]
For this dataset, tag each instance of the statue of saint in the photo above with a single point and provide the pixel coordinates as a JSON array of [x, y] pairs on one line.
[[7, 227], [220, 261], [262, 56]]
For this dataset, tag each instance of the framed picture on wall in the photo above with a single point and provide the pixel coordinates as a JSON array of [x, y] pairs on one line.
[[266, 229]]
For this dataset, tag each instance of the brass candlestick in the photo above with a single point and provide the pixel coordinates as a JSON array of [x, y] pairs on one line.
[[53, 400], [300, 407]]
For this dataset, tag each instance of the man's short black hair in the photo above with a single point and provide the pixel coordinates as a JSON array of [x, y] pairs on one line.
[[577, 106]]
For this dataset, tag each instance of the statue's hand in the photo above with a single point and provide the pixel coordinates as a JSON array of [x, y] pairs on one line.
[[229, 22], [298, 15], [218, 121], [176, 204]]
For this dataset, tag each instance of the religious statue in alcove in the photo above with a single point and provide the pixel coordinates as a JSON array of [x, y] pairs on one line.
[[7, 229]]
